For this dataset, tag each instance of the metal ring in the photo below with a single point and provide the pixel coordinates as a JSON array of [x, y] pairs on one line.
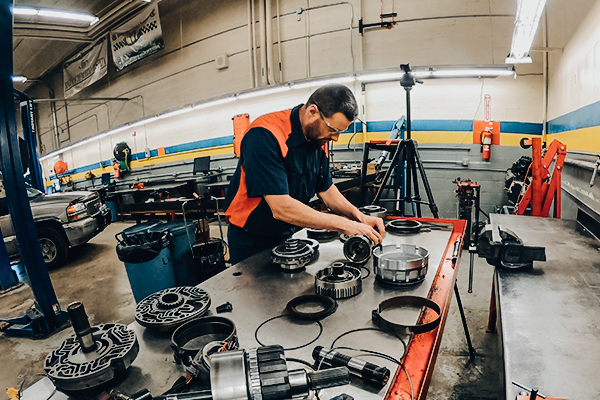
[[403, 226], [406, 301]]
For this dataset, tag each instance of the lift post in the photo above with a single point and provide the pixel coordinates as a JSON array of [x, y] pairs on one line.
[[18, 202]]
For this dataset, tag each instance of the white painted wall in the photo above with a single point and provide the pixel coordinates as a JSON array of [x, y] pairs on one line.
[[574, 73], [432, 33]]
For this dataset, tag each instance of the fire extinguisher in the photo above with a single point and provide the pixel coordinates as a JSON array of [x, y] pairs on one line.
[[486, 144], [117, 168]]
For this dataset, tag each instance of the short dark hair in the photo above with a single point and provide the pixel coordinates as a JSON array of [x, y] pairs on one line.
[[334, 98]]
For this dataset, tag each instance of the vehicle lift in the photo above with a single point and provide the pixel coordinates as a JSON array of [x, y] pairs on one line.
[[46, 317], [545, 186]]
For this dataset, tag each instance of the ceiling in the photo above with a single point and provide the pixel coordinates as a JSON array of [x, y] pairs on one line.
[[40, 46]]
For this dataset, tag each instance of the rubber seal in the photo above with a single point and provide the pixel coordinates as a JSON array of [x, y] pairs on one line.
[[329, 306], [406, 301], [403, 226]]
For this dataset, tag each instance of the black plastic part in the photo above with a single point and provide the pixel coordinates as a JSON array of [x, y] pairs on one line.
[[328, 304], [227, 307], [143, 394], [368, 371], [328, 378]]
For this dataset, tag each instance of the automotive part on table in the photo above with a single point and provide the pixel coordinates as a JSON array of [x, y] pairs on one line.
[[374, 211], [262, 374], [403, 227], [327, 304], [190, 338], [402, 301], [294, 254], [356, 366], [93, 355], [357, 248], [504, 249], [169, 308], [339, 281], [322, 235], [402, 264]]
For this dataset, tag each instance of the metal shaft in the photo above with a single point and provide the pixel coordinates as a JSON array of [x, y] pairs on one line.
[[471, 265], [81, 326]]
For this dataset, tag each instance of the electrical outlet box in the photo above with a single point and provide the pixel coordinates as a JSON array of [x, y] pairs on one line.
[[147, 153], [222, 61]]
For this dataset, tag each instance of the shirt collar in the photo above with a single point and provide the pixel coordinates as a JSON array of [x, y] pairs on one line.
[[297, 136]]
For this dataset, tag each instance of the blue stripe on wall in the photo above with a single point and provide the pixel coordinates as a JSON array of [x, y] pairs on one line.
[[373, 126], [527, 128], [584, 117]]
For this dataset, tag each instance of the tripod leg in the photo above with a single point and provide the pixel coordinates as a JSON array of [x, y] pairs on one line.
[[417, 196], [464, 322], [432, 206]]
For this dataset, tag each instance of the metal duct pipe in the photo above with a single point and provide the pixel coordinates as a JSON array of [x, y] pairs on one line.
[[269, 47], [263, 43], [251, 44]]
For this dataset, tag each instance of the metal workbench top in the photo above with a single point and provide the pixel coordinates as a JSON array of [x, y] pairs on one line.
[[550, 315], [259, 290]]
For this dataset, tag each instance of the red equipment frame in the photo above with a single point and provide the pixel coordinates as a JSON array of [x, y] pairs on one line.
[[545, 186], [422, 349]]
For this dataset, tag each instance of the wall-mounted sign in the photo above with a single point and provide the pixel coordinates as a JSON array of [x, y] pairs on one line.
[[137, 38], [85, 68]]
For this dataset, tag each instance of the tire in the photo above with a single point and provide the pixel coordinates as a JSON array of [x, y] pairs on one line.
[[54, 247]]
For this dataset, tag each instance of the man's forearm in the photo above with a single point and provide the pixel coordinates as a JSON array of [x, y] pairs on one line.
[[292, 211]]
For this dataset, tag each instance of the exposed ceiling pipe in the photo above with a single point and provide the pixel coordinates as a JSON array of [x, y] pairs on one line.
[[254, 49], [250, 46], [263, 43], [279, 44], [269, 47]]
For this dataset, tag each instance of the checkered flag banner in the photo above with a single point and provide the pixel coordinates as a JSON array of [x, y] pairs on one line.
[[138, 38]]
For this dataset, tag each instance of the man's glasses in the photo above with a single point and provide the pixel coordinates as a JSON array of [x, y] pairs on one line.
[[331, 128]]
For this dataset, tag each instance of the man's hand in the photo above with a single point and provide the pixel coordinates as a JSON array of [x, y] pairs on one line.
[[358, 228], [374, 222]]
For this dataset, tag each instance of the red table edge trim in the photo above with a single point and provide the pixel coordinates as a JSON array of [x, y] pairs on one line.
[[421, 350]]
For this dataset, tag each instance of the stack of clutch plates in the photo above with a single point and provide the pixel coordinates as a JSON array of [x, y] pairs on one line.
[[403, 227], [374, 211], [294, 254], [169, 308], [322, 235], [402, 264], [339, 280]]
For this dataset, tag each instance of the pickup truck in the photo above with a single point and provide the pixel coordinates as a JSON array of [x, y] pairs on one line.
[[62, 221]]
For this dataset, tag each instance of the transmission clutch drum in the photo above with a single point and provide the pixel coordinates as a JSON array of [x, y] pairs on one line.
[[402, 264], [294, 254], [70, 368], [338, 281], [172, 307]]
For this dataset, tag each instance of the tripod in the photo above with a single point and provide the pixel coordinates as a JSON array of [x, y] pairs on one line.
[[407, 163]]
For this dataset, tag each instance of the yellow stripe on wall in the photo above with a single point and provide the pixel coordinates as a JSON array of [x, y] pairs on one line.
[[584, 139]]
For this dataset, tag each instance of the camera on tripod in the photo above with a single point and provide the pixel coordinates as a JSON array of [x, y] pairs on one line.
[[408, 80]]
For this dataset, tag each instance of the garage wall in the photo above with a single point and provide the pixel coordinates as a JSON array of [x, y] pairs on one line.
[[184, 73]]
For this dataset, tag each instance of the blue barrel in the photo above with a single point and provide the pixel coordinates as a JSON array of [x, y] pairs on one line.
[[151, 276], [182, 234], [114, 210]]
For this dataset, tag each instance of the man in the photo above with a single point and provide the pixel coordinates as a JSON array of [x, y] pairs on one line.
[[283, 164]]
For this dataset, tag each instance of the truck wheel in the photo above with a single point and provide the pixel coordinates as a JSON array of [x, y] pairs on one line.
[[54, 247]]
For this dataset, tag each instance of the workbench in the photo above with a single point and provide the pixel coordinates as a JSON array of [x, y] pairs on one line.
[[549, 316], [259, 290]]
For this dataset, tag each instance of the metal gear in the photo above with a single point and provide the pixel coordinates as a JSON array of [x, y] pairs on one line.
[[294, 254], [172, 307], [402, 264], [339, 281]]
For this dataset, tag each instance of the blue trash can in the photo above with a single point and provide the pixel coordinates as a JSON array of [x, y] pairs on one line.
[[147, 259], [142, 227], [182, 234], [114, 210]]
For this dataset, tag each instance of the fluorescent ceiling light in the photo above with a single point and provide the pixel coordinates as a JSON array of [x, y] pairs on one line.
[[527, 21], [262, 92], [303, 85], [19, 79], [513, 60], [55, 14]]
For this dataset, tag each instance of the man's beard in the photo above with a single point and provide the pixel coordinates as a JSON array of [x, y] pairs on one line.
[[312, 131]]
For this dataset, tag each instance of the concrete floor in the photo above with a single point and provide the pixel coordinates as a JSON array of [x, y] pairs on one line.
[[96, 277]]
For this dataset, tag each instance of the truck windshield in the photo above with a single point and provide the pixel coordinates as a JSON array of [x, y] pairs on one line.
[[32, 193]]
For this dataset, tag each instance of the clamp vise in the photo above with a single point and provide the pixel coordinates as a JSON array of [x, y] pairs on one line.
[[504, 249]]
